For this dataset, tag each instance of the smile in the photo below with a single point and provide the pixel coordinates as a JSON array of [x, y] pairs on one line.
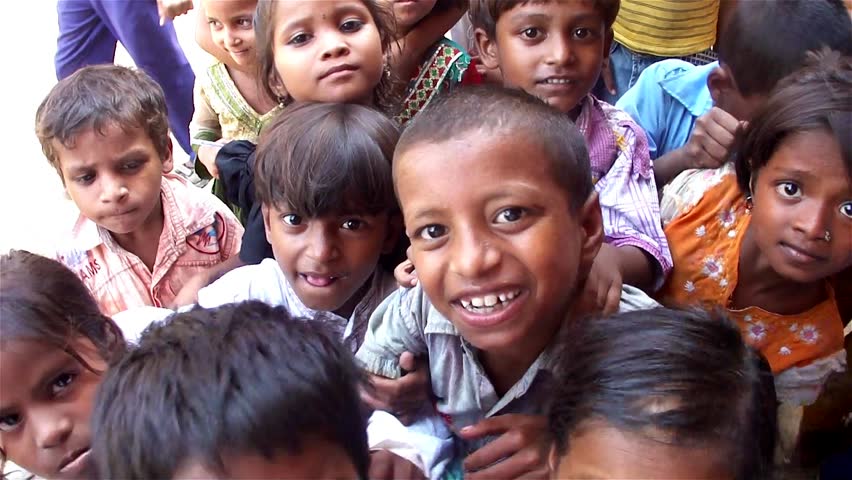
[[320, 281], [75, 463], [489, 303], [556, 81]]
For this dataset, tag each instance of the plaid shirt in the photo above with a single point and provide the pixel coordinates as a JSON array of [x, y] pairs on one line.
[[198, 232]]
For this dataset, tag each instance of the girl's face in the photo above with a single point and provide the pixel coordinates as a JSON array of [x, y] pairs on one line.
[[599, 450], [328, 51], [408, 12], [802, 214], [231, 28], [46, 399]]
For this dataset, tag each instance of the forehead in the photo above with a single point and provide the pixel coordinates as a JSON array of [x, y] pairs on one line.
[[94, 144], [24, 363], [556, 11], [228, 7], [814, 154], [293, 12]]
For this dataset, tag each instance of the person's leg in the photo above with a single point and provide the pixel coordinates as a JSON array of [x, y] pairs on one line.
[[155, 49], [83, 38]]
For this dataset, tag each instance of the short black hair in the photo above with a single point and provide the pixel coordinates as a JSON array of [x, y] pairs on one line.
[[320, 158], [243, 378], [683, 377], [492, 109], [764, 41], [484, 14], [817, 97]]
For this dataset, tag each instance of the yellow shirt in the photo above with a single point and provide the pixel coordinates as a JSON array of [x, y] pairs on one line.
[[667, 28]]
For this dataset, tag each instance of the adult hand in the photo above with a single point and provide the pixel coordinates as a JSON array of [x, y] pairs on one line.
[[404, 397], [520, 450], [169, 9]]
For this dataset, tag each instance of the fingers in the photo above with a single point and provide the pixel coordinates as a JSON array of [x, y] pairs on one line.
[[408, 362], [489, 426], [405, 275], [715, 132]]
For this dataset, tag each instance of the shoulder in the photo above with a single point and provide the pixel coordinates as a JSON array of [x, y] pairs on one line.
[[689, 189], [198, 207]]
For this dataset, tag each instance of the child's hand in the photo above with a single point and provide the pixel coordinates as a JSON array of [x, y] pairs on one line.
[[711, 139], [602, 291], [405, 274], [169, 9], [188, 294], [404, 397], [521, 449], [207, 156], [385, 465]]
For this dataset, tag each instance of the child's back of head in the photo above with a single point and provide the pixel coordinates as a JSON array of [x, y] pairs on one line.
[[241, 391], [678, 393]]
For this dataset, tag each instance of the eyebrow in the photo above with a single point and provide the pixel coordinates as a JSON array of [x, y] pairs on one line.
[[338, 11], [795, 172]]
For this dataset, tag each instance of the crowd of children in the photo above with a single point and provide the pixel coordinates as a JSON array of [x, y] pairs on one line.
[[401, 273]]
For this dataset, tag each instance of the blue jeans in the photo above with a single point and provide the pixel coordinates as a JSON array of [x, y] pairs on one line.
[[89, 30], [626, 66]]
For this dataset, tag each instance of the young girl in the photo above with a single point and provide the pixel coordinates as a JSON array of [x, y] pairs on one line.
[[55, 346], [229, 101], [661, 394], [763, 236], [442, 65]]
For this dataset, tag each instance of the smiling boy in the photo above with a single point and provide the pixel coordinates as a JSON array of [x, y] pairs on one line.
[[141, 232], [501, 258]]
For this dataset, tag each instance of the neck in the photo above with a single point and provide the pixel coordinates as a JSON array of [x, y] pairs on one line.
[[145, 240], [759, 285], [348, 308]]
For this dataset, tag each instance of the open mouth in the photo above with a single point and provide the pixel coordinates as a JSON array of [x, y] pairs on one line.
[[316, 280], [75, 462], [489, 303], [556, 81]]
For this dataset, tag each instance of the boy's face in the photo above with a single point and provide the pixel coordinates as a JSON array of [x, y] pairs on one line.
[[328, 259], [46, 399], [553, 50], [114, 177], [497, 249], [318, 459]]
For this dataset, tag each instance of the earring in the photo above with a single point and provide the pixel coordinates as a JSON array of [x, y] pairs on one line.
[[827, 236], [749, 202]]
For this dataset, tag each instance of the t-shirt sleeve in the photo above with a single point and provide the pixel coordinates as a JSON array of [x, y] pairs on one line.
[[205, 122], [396, 326], [645, 101]]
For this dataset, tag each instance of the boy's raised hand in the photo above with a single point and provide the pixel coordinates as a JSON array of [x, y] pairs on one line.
[[521, 448], [602, 290], [404, 397], [385, 465], [711, 139], [405, 274]]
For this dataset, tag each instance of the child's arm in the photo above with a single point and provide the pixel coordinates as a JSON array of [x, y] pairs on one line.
[[520, 451], [188, 294], [408, 52], [204, 128]]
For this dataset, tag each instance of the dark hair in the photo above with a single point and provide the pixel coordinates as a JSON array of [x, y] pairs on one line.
[[96, 97], [817, 97], [484, 14], [763, 41], [41, 299], [496, 110], [264, 29], [243, 378], [686, 375], [319, 158]]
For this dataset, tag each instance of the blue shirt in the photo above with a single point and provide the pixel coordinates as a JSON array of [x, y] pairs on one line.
[[666, 100]]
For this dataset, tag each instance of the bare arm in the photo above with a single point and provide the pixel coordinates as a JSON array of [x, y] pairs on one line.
[[636, 267], [407, 54]]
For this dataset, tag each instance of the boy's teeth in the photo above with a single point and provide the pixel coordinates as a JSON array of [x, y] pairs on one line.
[[488, 303], [477, 301], [490, 300], [502, 297], [465, 304], [560, 81]]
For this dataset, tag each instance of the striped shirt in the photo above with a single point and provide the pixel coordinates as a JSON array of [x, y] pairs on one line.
[[667, 28]]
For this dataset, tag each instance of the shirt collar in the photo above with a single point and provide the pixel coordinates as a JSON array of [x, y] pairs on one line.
[[689, 87]]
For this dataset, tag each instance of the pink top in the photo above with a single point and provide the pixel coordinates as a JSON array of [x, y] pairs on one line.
[[198, 232]]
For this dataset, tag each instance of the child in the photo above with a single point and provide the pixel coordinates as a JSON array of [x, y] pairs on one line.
[[661, 394], [761, 43], [764, 235], [501, 258], [55, 346], [554, 50], [323, 178], [444, 64], [242, 391], [141, 232], [229, 102]]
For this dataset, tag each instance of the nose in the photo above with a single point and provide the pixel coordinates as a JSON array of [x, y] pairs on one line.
[[561, 50], [322, 244], [51, 427], [232, 38], [334, 45], [472, 256], [813, 219], [113, 189]]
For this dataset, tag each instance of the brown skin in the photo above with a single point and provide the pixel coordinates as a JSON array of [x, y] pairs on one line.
[[384, 465], [785, 258], [407, 53], [523, 439]]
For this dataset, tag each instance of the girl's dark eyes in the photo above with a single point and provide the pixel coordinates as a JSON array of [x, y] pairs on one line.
[[509, 215], [846, 209], [531, 33], [291, 219], [353, 224], [244, 22], [9, 422], [62, 382], [582, 33], [299, 39], [351, 25], [431, 232], [131, 166], [789, 190]]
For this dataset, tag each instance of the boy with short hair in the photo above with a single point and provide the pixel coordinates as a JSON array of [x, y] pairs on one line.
[[240, 391], [555, 50], [691, 114], [141, 232], [501, 259]]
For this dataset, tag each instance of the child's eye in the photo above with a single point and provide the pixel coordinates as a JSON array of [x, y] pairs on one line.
[[531, 33], [353, 224], [291, 219], [62, 382], [9, 422], [431, 232], [299, 39], [509, 215], [86, 179], [846, 209], [352, 25], [582, 33], [789, 190], [214, 24], [131, 166], [245, 22]]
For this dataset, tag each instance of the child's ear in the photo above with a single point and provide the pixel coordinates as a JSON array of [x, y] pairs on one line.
[[393, 234], [720, 82], [552, 461], [264, 210], [591, 223], [487, 49], [276, 84], [168, 159], [607, 46]]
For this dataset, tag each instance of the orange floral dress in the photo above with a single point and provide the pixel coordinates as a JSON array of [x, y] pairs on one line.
[[705, 217]]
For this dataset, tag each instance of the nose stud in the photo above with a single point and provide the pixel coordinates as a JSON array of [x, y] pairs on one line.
[[827, 236]]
